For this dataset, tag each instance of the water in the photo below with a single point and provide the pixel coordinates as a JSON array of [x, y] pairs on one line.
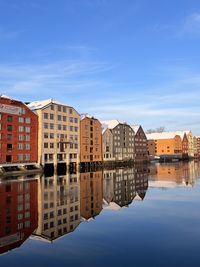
[[145, 216]]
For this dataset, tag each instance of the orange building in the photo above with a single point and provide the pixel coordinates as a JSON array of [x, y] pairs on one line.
[[91, 141], [165, 143], [91, 194]]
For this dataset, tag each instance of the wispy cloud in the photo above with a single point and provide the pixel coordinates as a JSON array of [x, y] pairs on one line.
[[192, 23]]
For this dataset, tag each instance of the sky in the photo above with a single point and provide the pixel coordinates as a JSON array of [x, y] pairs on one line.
[[133, 60]]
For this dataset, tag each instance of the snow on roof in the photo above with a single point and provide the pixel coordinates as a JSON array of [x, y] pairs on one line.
[[5, 96], [135, 128], [165, 184], [110, 124], [160, 136], [181, 133], [43, 103]]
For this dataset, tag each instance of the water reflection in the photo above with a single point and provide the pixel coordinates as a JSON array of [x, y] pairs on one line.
[[91, 188], [58, 206], [18, 212], [173, 175], [48, 208], [122, 186]]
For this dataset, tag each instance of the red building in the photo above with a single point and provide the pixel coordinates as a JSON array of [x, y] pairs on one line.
[[18, 213], [18, 132]]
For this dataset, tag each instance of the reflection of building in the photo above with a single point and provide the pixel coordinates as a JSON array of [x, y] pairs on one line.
[[91, 194], [18, 132], [122, 186], [141, 181], [108, 187], [59, 206], [58, 137], [172, 175], [90, 141], [18, 212], [118, 141]]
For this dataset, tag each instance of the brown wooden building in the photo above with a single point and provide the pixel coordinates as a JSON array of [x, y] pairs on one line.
[[90, 142], [140, 142]]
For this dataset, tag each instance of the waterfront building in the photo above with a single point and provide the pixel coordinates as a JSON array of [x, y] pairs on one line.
[[118, 141], [18, 212], [90, 142], [198, 146], [91, 194], [58, 206], [59, 133], [164, 144], [18, 133], [140, 144], [188, 142]]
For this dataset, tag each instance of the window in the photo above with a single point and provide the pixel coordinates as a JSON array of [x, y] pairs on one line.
[[70, 111], [28, 120], [64, 127], [46, 115], [9, 146], [45, 125], [51, 136], [45, 145], [9, 118], [21, 128], [20, 146], [27, 137], [20, 157], [9, 128], [51, 116], [51, 126], [59, 127], [75, 120], [51, 145], [59, 108], [20, 137], [59, 117], [27, 157], [27, 129], [64, 118], [20, 119], [46, 135], [9, 137], [27, 146]]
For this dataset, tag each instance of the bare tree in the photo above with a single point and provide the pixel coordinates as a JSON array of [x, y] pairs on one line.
[[157, 130]]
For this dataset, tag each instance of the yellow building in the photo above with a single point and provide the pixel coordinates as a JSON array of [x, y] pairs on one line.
[[59, 130], [165, 143], [58, 206]]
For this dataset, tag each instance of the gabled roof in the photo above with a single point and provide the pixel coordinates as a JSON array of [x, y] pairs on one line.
[[135, 128], [181, 133], [43, 103], [160, 136], [110, 124]]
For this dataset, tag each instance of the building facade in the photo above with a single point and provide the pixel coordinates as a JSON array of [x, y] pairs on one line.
[[59, 133], [18, 133], [198, 146], [165, 143], [90, 141], [122, 146], [140, 144]]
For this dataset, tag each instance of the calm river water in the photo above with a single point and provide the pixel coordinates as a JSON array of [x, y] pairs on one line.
[[142, 216]]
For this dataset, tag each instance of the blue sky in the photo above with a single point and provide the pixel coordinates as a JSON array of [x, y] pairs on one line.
[[135, 60]]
